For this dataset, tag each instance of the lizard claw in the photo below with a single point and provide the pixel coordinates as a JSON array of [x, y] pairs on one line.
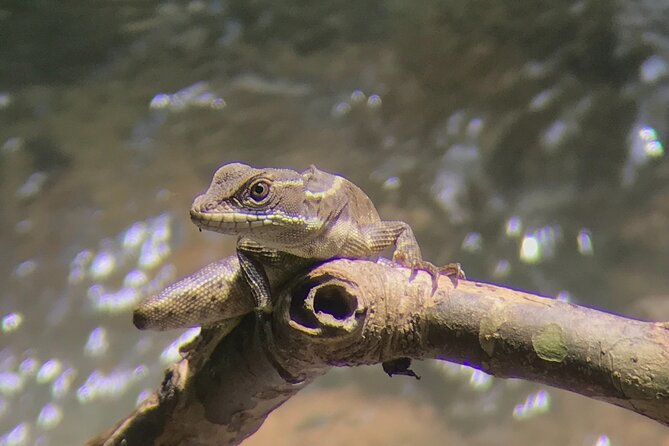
[[452, 270]]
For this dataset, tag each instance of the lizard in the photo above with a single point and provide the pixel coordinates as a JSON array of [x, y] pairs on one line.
[[312, 214], [298, 220]]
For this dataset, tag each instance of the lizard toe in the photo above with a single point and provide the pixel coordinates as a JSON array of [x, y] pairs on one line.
[[454, 271], [421, 265]]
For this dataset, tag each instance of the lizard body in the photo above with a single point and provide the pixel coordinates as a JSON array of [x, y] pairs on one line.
[[285, 221], [311, 214]]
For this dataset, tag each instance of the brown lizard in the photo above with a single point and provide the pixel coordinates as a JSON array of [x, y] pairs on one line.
[[285, 221], [313, 215]]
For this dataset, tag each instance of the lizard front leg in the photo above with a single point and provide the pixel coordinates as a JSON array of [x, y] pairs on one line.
[[252, 260], [251, 257], [407, 252]]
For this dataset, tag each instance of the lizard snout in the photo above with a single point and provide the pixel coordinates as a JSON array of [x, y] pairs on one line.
[[202, 204]]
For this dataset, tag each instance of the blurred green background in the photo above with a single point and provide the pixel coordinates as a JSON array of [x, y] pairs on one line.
[[524, 139]]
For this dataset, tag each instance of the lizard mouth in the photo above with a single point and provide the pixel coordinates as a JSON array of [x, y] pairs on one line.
[[228, 222]]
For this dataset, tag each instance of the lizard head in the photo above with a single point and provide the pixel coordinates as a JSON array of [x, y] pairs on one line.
[[266, 205]]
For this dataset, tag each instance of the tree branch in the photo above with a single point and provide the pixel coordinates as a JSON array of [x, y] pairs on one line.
[[354, 312]]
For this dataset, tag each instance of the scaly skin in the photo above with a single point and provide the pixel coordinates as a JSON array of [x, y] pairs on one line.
[[285, 221], [214, 294], [312, 214]]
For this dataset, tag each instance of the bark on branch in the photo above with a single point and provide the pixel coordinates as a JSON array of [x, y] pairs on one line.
[[353, 312]]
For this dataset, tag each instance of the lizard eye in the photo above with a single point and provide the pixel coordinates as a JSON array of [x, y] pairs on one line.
[[259, 190]]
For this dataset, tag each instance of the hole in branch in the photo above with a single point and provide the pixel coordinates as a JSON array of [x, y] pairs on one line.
[[298, 310], [333, 300], [326, 296]]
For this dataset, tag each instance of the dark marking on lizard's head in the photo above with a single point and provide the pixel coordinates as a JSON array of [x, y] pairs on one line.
[[265, 205]]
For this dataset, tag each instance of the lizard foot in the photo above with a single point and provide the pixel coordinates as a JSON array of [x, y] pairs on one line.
[[452, 270]]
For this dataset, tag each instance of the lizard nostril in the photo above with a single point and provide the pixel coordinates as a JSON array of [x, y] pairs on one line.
[[202, 204]]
